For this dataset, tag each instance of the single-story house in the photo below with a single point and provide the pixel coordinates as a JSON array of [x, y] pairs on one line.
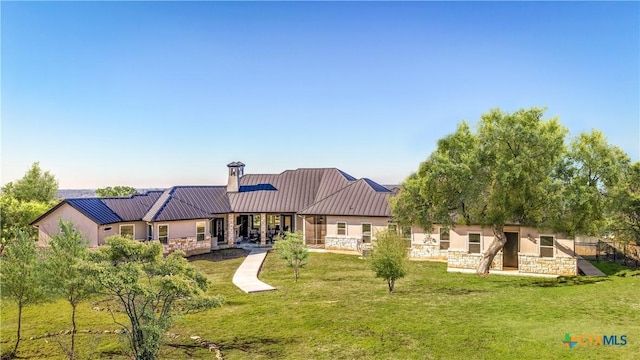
[[331, 208]]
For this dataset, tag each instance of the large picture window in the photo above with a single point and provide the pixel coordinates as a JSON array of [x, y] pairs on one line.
[[474, 243], [444, 239], [546, 246], [200, 226], [163, 233], [127, 230], [342, 228], [366, 233]]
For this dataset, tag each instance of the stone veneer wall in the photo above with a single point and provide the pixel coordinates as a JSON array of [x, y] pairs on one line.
[[189, 245], [341, 243], [427, 251], [564, 266], [464, 260]]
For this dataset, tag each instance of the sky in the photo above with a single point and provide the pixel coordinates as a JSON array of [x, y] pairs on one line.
[[156, 94]]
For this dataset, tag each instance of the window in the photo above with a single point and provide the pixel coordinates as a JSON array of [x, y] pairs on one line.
[[406, 232], [366, 233], [163, 233], [149, 232], [474, 243], [127, 230], [444, 239], [200, 225], [342, 228], [546, 246], [256, 221]]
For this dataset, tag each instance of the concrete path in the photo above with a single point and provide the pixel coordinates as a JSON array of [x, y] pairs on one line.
[[588, 269], [246, 277]]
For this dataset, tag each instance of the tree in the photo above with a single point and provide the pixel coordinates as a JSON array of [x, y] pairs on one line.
[[149, 288], [20, 276], [24, 200], [64, 272], [35, 185], [17, 215], [515, 169], [116, 191], [625, 217], [389, 257], [592, 171], [293, 251]]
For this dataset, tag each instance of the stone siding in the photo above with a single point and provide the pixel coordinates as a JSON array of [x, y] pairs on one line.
[[341, 243], [427, 251], [465, 260], [564, 266], [188, 245]]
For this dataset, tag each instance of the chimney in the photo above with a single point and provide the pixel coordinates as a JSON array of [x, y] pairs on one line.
[[236, 170]]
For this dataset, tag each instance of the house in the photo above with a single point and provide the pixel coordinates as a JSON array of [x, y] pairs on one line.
[[252, 208], [331, 208], [527, 250]]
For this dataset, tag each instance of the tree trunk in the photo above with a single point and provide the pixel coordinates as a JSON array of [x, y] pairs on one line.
[[73, 332], [391, 284], [15, 348], [487, 256]]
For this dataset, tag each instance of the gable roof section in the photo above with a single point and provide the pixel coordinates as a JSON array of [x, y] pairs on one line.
[[110, 210], [294, 190], [134, 207], [363, 197], [93, 208], [189, 202]]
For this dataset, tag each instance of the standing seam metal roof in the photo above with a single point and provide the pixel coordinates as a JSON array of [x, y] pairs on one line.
[[361, 198]]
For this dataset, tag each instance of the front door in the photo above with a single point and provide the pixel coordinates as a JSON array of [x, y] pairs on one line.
[[510, 251], [243, 226], [218, 229]]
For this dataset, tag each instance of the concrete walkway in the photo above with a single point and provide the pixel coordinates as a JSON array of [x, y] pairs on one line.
[[246, 277], [588, 269]]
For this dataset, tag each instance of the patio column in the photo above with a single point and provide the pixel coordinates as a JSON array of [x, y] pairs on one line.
[[263, 229], [231, 229]]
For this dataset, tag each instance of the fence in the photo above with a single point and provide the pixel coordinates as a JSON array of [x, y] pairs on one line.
[[625, 254]]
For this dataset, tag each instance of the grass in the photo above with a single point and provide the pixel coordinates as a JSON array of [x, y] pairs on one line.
[[338, 310]]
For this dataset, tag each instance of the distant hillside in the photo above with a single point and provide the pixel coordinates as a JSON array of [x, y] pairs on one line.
[[75, 193], [83, 193]]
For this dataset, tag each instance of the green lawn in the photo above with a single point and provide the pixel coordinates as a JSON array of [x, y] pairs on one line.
[[338, 310]]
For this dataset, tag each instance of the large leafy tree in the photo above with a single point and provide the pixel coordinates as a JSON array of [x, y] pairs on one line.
[[625, 219], [23, 200], [116, 191], [35, 185], [66, 277], [149, 288], [389, 257], [17, 215], [514, 169], [21, 277]]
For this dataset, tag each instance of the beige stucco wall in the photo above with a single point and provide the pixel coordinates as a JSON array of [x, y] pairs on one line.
[[48, 227], [529, 243], [182, 228], [139, 228], [354, 225]]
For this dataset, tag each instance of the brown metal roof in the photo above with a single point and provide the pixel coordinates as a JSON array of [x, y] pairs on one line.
[[361, 198], [189, 202], [295, 190], [133, 207]]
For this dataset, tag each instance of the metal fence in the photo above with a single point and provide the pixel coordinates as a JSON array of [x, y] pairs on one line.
[[602, 250]]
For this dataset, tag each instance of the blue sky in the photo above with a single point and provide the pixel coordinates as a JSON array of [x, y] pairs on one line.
[[155, 94]]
